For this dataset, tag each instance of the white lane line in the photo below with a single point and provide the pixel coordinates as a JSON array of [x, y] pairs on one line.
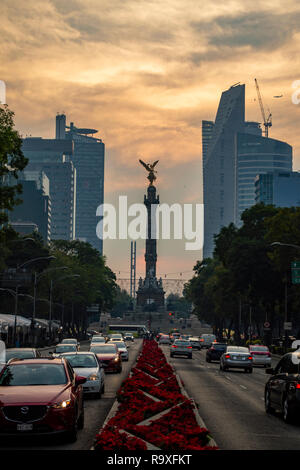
[[262, 398], [243, 386]]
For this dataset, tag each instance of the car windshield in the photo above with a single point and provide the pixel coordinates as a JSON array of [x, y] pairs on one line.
[[104, 350], [98, 340], [259, 348], [33, 374], [66, 348], [69, 341], [81, 360], [18, 354], [237, 349], [182, 343]]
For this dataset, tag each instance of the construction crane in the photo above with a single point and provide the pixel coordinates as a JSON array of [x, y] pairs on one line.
[[267, 121]]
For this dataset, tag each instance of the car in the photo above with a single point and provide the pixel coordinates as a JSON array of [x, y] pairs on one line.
[[122, 348], [181, 348], [98, 339], [71, 341], [116, 336], [261, 355], [63, 348], [236, 357], [164, 339], [87, 365], [215, 352], [108, 356], [282, 390], [195, 342], [115, 340], [21, 353], [206, 340], [128, 337], [175, 336], [185, 337], [41, 396]]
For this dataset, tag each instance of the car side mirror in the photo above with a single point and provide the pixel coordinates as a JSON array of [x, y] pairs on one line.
[[79, 380], [51, 353], [270, 371]]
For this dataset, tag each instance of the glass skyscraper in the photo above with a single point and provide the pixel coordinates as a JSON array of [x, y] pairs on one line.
[[234, 152], [255, 155]]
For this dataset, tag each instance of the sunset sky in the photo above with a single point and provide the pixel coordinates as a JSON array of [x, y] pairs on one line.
[[145, 73]]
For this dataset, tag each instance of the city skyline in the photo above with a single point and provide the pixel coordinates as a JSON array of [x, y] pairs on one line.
[[146, 75]]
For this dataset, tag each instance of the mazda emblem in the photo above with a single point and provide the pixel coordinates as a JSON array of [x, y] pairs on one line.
[[24, 410]]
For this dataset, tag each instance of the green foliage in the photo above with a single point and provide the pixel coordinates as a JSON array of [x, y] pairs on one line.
[[247, 272], [12, 161]]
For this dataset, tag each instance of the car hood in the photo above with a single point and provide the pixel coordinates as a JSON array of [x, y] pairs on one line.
[[86, 371], [32, 394]]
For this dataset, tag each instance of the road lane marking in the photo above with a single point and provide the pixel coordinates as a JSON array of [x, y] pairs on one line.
[[243, 386]]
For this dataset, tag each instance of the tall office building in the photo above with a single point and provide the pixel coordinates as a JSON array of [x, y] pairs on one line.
[[218, 164], [254, 155], [88, 159], [53, 156], [234, 152], [35, 209], [280, 188]]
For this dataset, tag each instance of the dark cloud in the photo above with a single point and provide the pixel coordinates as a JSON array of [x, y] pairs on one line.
[[259, 30]]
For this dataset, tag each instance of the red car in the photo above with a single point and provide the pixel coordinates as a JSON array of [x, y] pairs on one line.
[[108, 356], [40, 397]]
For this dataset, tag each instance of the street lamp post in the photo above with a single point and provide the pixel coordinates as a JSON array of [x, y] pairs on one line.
[[285, 290]]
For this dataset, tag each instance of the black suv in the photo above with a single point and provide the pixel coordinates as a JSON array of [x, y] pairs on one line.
[[215, 351], [282, 391]]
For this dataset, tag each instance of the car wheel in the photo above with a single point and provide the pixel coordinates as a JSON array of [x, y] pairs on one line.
[[171, 355], [221, 367], [250, 370], [268, 406], [190, 357], [287, 414], [208, 360], [103, 388]]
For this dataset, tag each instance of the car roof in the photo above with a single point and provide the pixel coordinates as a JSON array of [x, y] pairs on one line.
[[39, 360], [78, 353], [20, 349], [63, 344]]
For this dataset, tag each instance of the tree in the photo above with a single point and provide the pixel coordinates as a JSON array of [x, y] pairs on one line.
[[12, 161]]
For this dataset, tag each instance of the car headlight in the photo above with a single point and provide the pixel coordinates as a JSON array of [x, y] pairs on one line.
[[62, 404], [116, 359], [93, 377]]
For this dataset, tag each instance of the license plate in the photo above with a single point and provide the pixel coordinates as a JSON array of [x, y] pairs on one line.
[[24, 427], [234, 357]]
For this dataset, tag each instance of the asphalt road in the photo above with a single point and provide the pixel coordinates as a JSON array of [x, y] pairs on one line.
[[231, 404], [96, 411]]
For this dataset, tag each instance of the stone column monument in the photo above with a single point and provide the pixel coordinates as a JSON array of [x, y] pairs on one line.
[[150, 290]]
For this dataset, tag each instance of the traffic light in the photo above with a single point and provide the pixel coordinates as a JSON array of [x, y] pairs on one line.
[[170, 314]]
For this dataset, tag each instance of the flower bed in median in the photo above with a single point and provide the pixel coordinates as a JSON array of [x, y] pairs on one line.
[[152, 390]]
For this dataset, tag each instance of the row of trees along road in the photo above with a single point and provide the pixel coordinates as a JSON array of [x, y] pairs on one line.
[[66, 277], [248, 280]]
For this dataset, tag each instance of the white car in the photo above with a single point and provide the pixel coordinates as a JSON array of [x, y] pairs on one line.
[[71, 341], [98, 340], [63, 348], [86, 365], [164, 339], [122, 348]]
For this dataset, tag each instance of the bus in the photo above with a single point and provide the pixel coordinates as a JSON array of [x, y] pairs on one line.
[[139, 329]]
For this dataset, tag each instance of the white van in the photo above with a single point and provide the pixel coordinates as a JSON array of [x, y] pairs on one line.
[[206, 340]]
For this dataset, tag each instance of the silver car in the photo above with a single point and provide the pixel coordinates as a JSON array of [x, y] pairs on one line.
[[164, 339], [86, 365], [181, 347], [236, 357], [122, 348]]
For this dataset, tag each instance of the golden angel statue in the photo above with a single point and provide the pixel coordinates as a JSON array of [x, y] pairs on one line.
[[150, 167]]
